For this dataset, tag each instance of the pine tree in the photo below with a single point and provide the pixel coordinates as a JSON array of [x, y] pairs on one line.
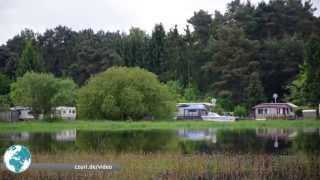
[[156, 58], [255, 92], [201, 22], [29, 60], [234, 57], [173, 55]]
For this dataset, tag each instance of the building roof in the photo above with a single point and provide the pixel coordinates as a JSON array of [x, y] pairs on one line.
[[266, 105], [309, 110], [196, 106], [198, 103], [16, 108], [65, 107]]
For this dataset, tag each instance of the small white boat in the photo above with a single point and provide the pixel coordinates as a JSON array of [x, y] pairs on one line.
[[218, 118]]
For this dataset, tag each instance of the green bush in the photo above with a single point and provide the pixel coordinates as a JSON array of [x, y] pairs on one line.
[[42, 92], [299, 112], [122, 93], [226, 103], [240, 111], [191, 93], [4, 102], [176, 89]]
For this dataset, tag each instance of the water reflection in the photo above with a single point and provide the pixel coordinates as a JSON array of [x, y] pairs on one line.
[[66, 135], [282, 141], [200, 134], [23, 136]]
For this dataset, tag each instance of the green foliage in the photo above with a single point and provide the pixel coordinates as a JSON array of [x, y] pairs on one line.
[[191, 93], [225, 104], [134, 46], [173, 48], [93, 55], [156, 51], [176, 90], [201, 22], [65, 95], [266, 40], [218, 109], [125, 93], [4, 84], [58, 49], [29, 60], [296, 89], [5, 102], [42, 92], [279, 60], [255, 91], [232, 62], [305, 89], [240, 111], [298, 112], [312, 64]]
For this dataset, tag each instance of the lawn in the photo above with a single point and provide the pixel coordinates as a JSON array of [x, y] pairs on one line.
[[41, 126]]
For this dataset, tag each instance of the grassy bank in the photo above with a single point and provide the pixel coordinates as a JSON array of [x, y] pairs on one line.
[[40, 126], [177, 166]]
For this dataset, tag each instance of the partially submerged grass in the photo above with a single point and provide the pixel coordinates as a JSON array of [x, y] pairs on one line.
[[177, 166], [41, 126]]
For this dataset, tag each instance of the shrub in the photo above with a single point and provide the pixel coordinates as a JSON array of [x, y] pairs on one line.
[[299, 112], [122, 93], [4, 102], [240, 111], [191, 93], [176, 89], [42, 92]]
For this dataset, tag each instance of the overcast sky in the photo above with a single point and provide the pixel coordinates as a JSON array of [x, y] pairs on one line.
[[111, 15]]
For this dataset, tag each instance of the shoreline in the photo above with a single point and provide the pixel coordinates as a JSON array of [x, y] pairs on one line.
[[100, 125]]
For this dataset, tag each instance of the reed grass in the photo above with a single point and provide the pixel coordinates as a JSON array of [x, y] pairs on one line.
[[178, 166]]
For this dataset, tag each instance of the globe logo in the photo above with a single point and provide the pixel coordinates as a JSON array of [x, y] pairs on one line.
[[17, 158]]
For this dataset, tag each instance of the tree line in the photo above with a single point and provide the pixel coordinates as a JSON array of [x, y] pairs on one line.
[[241, 56]]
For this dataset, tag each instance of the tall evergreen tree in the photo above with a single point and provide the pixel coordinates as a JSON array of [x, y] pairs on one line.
[[232, 62], [157, 62], [187, 55], [29, 60], [312, 64], [255, 91], [173, 55], [57, 47], [93, 53], [201, 22], [4, 84], [279, 63], [134, 48]]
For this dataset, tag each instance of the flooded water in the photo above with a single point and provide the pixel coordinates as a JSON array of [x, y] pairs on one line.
[[185, 141]]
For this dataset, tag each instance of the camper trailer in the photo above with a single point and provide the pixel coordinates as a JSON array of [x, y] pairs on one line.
[[24, 113], [65, 112]]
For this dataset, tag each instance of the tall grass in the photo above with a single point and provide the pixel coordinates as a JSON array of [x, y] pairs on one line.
[[178, 166]]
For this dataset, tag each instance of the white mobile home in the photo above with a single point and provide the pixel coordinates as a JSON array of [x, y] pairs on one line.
[[266, 111], [66, 112], [309, 113]]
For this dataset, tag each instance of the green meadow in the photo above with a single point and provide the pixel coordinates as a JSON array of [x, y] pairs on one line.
[[42, 126]]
